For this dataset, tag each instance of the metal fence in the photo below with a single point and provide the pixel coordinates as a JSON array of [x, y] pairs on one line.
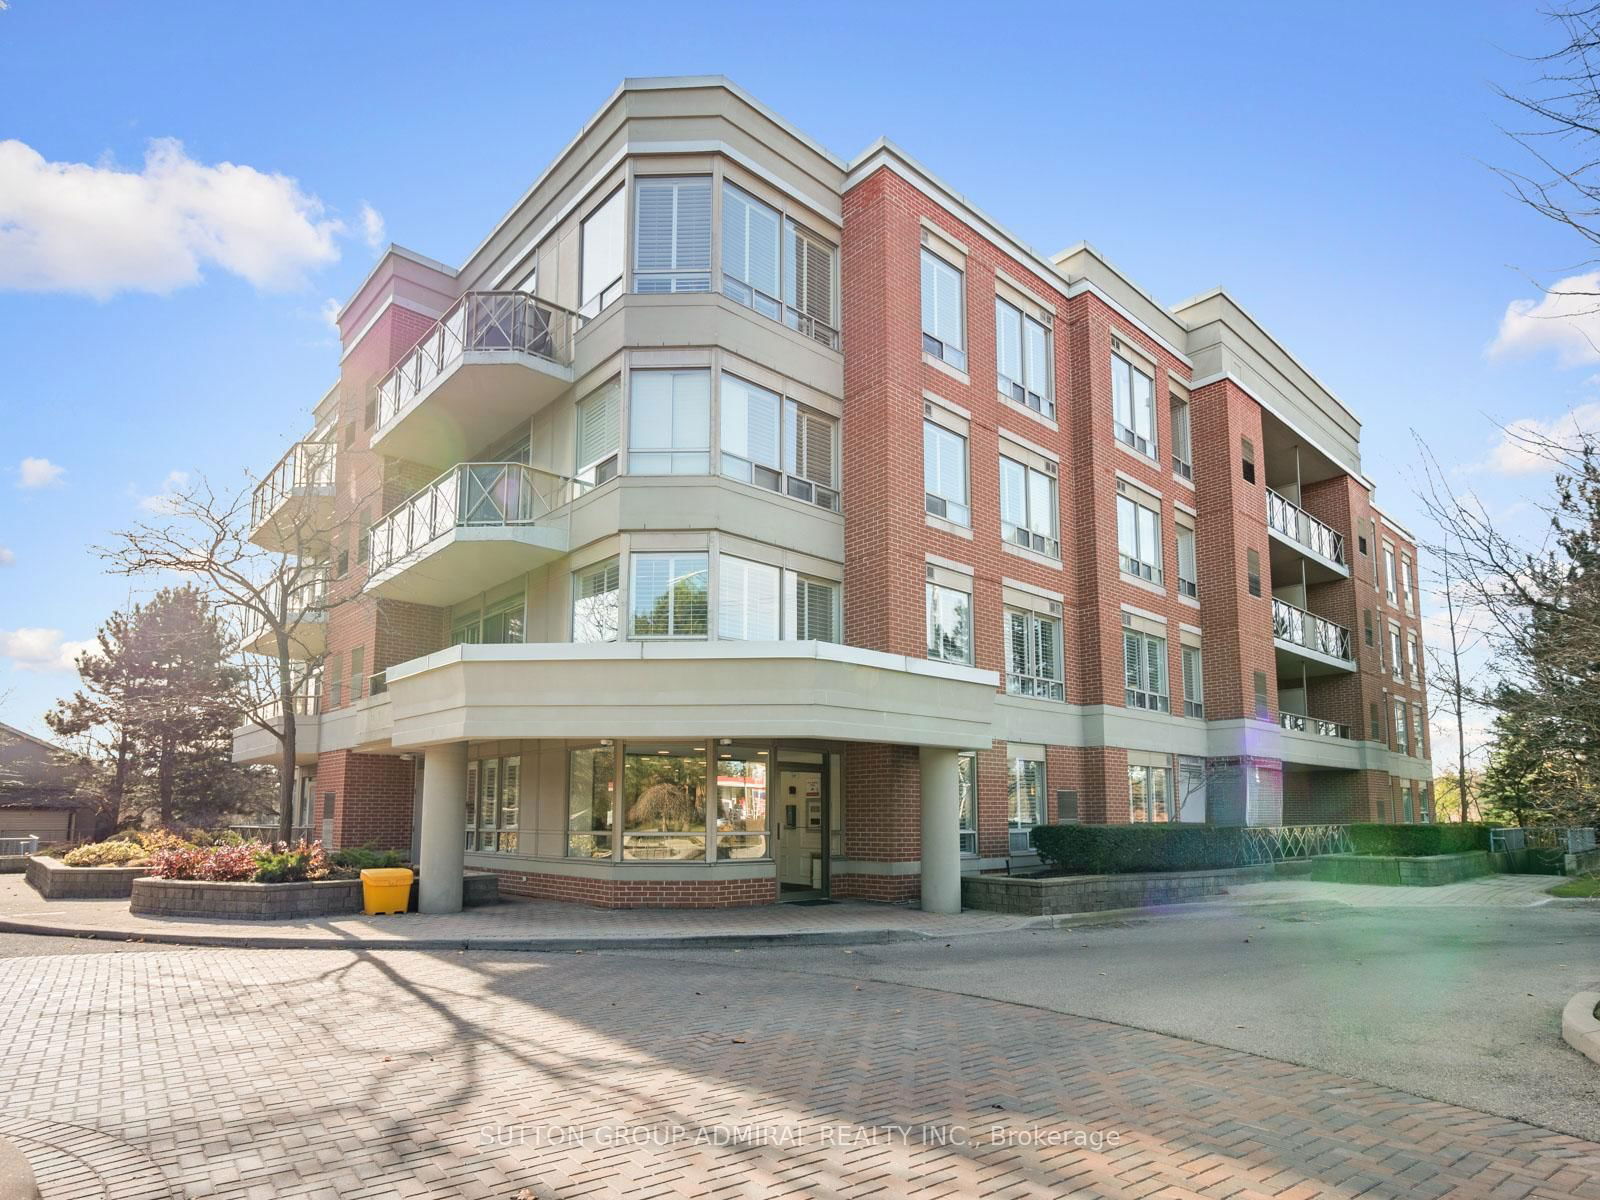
[[269, 833], [308, 464], [19, 845], [1275, 843], [1573, 839]]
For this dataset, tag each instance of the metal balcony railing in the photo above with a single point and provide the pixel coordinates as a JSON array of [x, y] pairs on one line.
[[1300, 723], [1294, 523], [470, 494], [307, 702], [512, 322], [1292, 624], [307, 598], [308, 464]]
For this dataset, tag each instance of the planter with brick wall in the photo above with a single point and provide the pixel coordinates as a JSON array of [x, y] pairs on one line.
[[13, 864], [55, 881], [245, 901], [1035, 896], [1429, 870]]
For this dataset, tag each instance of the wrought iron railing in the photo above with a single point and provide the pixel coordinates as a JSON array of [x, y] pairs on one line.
[[1300, 723], [307, 465], [307, 599], [1296, 524], [470, 494], [306, 702], [1292, 624], [511, 322], [1275, 843]]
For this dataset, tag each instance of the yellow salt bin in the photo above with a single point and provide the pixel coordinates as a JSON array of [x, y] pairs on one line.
[[385, 890]]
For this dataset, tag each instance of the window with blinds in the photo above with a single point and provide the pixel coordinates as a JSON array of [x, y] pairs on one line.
[[1028, 507], [672, 235], [811, 456], [1182, 453], [1139, 539], [751, 232], [594, 603], [1194, 689], [810, 281], [669, 595], [944, 473], [1188, 573], [1033, 656], [599, 420], [669, 422], [494, 805], [943, 325], [1025, 793], [747, 599], [1022, 352], [749, 427], [600, 255], [814, 605], [1144, 662], [1133, 406]]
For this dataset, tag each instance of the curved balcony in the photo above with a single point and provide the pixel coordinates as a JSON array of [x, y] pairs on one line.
[[291, 510], [475, 526], [307, 620], [494, 359], [1305, 641], [1296, 533]]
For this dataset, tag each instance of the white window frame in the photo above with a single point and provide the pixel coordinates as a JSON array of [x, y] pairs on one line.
[[934, 592], [595, 294], [794, 581], [1018, 769], [691, 274], [1038, 678], [949, 346], [685, 459], [612, 568], [1188, 583], [1125, 419], [1140, 689], [942, 504], [784, 304], [1029, 536], [678, 561], [1389, 574], [1144, 523], [1147, 775], [749, 600], [1182, 439], [1025, 390], [603, 467], [1194, 684]]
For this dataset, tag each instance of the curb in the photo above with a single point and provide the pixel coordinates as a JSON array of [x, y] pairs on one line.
[[242, 941], [1579, 1027]]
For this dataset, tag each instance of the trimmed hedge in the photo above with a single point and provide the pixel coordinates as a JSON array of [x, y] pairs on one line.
[[1411, 841], [1120, 849]]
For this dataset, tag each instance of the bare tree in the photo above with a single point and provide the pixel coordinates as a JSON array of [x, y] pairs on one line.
[[1452, 680]]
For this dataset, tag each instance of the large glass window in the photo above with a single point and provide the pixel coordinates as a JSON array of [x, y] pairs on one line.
[[1022, 353], [1400, 740], [813, 609], [503, 622], [943, 323], [1033, 655], [944, 473], [742, 797], [949, 624], [599, 420], [591, 792], [1149, 794], [750, 237], [1025, 793], [1139, 539], [600, 275], [669, 595], [1182, 453], [1188, 570], [1144, 664], [747, 599], [810, 270], [1194, 688], [1028, 507], [494, 805], [664, 802], [594, 602], [750, 418], [672, 235], [669, 423], [810, 455], [1133, 406]]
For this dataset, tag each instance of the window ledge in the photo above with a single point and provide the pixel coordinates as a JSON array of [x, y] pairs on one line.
[[1044, 560], [1139, 581], [1132, 453], [1182, 479], [950, 527], [1007, 402], [939, 364], [1191, 601]]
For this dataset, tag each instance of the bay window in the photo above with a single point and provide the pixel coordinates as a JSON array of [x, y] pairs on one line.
[[1033, 655], [1022, 354], [750, 251], [944, 474], [810, 456], [1133, 406], [672, 234], [813, 614], [598, 417], [747, 599], [777, 443], [669, 595], [1139, 539], [1144, 662], [600, 254], [943, 303], [1028, 513], [663, 802], [810, 285], [669, 422], [591, 792], [594, 602]]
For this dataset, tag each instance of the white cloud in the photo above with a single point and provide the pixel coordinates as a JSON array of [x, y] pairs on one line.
[[330, 313], [1517, 453], [39, 473], [1565, 320], [372, 226], [162, 500], [7, 558], [96, 229], [41, 649]]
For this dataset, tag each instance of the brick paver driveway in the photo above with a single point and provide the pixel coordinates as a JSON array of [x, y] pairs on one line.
[[349, 1074]]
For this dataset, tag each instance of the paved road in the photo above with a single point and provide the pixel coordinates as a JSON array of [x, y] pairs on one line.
[[349, 1074]]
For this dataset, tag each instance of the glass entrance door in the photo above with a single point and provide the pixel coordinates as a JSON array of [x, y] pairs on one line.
[[802, 815]]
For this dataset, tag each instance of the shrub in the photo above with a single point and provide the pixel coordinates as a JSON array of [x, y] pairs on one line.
[[217, 864], [104, 854], [364, 859], [1117, 849], [286, 864], [1412, 840]]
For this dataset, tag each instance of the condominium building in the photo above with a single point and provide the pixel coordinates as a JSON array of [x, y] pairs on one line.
[[740, 522]]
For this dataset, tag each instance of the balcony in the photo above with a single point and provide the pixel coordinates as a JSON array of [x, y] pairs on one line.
[[1300, 723], [253, 744], [291, 510], [493, 360], [1296, 534], [306, 616], [1309, 644], [476, 525]]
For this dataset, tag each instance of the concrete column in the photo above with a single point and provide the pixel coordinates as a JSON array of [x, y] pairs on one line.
[[444, 804], [941, 837]]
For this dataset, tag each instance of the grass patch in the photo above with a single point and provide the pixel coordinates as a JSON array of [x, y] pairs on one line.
[[1584, 886]]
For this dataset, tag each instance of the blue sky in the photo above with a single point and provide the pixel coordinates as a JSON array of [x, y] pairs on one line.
[[1328, 164]]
